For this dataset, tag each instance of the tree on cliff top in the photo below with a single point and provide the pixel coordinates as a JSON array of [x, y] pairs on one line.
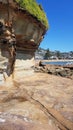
[[36, 10]]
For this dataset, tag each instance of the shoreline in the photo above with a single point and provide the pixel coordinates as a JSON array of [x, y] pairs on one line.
[[62, 60]]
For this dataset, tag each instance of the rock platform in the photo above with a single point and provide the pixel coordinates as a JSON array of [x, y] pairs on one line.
[[37, 101]]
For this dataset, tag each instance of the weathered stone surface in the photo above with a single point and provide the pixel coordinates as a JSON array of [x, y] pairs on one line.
[[34, 99], [13, 122], [8, 45], [28, 30], [64, 71]]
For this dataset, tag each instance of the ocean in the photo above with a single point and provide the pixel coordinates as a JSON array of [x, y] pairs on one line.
[[59, 62]]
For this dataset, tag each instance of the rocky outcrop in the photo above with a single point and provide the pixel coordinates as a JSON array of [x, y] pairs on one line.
[[28, 30], [37, 100], [64, 71]]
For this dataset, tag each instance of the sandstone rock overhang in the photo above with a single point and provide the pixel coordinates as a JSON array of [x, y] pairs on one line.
[[29, 27], [35, 10]]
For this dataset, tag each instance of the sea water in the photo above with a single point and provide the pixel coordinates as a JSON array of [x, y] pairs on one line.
[[59, 62]]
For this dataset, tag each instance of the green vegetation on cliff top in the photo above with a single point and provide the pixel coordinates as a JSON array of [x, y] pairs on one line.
[[34, 9]]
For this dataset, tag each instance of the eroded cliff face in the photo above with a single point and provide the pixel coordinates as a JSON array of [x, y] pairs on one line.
[[28, 31]]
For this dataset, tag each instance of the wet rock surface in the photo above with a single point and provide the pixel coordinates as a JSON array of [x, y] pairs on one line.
[[36, 101]]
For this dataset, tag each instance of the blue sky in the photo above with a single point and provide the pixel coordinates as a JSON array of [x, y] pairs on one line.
[[60, 17]]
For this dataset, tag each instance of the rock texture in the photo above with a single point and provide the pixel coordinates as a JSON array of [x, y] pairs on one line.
[[64, 71], [28, 31], [36, 100], [31, 100]]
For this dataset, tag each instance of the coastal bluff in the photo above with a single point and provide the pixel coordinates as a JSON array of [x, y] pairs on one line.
[[28, 29]]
